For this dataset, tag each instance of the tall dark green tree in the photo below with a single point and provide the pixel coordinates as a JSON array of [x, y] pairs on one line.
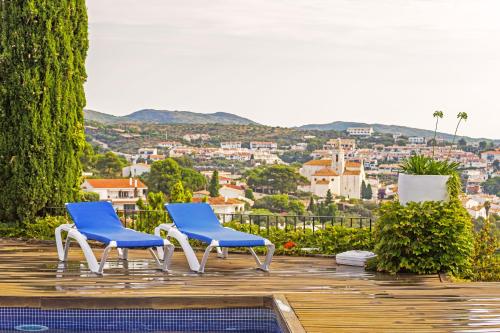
[[43, 45], [369, 192], [329, 197], [214, 186]]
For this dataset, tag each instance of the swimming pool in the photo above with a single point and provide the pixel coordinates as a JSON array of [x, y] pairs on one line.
[[241, 320]]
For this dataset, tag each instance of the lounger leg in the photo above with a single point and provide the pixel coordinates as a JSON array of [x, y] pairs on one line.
[[206, 254], [82, 241], [168, 250], [59, 242], [222, 252], [66, 248], [123, 254], [183, 240], [104, 258], [269, 257]]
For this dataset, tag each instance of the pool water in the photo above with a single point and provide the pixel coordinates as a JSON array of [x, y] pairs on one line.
[[235, 320]]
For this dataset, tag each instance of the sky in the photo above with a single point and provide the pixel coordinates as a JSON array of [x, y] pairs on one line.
[[289, 63]]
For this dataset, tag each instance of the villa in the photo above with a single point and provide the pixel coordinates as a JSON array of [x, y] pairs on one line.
[[123, 193]]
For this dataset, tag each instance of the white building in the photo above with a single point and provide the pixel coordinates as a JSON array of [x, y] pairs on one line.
[[342, 178], [254, 145], [230, 145], [146, 152], [168, 144], [224, 206], [196, 136], [266, 158], [135, 170], [491, 155], [123, 193], [360, 131], [417, 140]]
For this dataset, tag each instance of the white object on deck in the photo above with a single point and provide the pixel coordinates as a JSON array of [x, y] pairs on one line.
[[354, 258]]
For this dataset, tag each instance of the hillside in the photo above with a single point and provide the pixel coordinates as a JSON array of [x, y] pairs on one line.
[[169, 117], [381, 128]]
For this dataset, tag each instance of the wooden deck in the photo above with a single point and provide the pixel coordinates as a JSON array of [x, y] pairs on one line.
[[325, 297]]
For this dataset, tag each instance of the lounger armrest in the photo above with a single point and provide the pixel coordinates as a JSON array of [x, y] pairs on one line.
[[163, 226]]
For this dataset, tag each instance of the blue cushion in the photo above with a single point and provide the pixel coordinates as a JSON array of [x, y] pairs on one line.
[[198, 221], [98, 221], [123, 237]]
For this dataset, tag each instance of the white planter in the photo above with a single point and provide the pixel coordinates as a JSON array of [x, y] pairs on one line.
[[420, 188]]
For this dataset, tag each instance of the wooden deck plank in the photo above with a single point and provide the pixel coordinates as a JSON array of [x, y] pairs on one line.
[[325, 297]]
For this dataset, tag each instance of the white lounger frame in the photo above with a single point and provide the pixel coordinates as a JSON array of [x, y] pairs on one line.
[[98, 267], [193, 262]]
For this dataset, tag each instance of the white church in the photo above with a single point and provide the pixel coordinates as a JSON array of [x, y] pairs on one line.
[[341, 177]]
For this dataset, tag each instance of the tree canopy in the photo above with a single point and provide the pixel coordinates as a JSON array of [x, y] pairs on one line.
[[166, 175], [43, 46], [275, 179]]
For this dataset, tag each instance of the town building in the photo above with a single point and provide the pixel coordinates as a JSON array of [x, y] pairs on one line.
[[135, 170], [168, 144], [230, 145], [123, 193], [341, 177], [147, 152], [224, 207], [196, 137], [417, 140], [491, 155], [255, 145], [346, 144], [360, 131]]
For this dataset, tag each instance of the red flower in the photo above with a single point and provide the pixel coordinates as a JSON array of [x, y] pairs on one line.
[[289, 245]]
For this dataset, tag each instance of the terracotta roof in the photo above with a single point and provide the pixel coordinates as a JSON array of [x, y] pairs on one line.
[[352, 173], [353, 164], [319, 162], [157, 156], [219, 201], [325, 172], [115, 183], [322, 182]]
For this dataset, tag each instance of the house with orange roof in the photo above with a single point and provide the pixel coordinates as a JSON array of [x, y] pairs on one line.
[[122, 192], [341, 177], [223, 206]]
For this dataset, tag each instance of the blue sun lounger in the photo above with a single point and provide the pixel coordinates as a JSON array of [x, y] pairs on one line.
[[98, 221], [198, 221]]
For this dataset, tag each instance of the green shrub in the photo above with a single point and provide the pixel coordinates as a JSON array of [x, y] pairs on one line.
[[486, 262], [89, 196], [11, 230], [331, 240], [42, 228], [424, 238]]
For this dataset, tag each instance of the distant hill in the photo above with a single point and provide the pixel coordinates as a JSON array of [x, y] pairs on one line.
[[169, 117], [381, 128]]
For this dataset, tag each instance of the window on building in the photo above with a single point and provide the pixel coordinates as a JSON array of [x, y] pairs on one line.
[[123, 194]]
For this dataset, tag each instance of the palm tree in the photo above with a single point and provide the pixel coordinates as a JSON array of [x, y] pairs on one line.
[[437, 115], [487, 206], [460, 116]]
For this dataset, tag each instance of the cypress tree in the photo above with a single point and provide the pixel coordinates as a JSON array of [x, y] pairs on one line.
[[214, 186], [369, 192], [43, 45], [363, 190], [329, 197]]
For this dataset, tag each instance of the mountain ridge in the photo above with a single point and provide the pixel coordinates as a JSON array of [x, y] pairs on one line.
[[166, 117], [169, 117]]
